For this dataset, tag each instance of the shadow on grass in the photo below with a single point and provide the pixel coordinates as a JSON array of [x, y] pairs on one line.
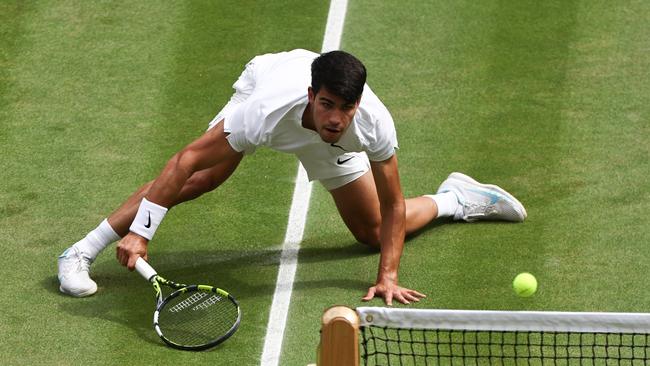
[[430, 226], [250, 275], [125, 298]]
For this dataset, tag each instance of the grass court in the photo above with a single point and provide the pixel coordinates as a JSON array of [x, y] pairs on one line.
[[550, 100]]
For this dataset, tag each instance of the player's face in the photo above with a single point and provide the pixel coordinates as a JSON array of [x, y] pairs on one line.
[[331, 114]]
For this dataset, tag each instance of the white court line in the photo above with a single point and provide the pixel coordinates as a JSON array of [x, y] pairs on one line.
[[297, 218]]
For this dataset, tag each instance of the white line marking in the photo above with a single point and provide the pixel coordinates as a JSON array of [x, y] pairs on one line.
[[334, 27], [287, 272], [297, 218]]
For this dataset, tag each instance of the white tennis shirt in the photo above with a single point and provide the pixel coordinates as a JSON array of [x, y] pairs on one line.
[[270, 98]]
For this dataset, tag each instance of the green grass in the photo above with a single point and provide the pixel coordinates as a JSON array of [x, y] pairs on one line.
[[95, 98], [547, 99]]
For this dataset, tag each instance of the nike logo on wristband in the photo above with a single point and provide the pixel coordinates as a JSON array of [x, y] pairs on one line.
[[340, 162], [148, 225]]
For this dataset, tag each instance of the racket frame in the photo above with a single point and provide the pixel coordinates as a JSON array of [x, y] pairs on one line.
[[156, 280]]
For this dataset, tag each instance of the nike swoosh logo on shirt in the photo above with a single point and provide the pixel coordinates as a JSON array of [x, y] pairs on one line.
[[340, 162], [335, 145], [148, 225]]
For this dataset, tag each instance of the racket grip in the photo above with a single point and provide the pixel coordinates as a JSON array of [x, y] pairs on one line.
[[144, 269]]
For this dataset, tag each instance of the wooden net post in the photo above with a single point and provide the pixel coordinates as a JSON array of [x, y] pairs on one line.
[[339, 339]]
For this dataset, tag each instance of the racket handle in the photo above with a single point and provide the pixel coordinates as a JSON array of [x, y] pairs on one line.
[[144, 269]]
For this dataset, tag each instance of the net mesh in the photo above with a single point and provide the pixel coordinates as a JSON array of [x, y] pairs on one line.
[[516, 343], [387, 346]]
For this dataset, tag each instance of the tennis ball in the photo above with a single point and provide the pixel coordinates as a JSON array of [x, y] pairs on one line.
[[524, 284]]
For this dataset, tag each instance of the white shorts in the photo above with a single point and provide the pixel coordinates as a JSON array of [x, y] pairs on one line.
[[337, 176], [340, 181]]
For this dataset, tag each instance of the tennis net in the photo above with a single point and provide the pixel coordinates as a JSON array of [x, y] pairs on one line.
[[386, 336]]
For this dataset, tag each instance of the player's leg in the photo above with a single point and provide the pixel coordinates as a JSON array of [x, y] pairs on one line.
[[74, 263], [199, 183], [459, 196], [358, 205]]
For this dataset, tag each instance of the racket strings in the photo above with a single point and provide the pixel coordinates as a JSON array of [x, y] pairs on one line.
[[197, 318]]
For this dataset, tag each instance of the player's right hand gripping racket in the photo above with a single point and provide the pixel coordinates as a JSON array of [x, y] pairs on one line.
[[193, 317]]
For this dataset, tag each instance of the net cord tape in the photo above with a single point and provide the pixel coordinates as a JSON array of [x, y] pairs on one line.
[[505, 320]]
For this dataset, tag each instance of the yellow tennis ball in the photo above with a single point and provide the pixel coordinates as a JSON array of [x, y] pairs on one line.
[[524, 284]]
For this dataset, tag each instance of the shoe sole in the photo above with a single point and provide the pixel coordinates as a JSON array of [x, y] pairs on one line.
[[467, 179], [81, 294]]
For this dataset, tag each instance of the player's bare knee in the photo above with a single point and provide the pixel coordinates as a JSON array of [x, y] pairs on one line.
[[369, 237]]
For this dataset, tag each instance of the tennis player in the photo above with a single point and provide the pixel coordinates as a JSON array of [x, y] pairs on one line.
[[319, 108]]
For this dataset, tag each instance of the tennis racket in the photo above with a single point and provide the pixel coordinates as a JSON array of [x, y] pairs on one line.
[[194, 317]]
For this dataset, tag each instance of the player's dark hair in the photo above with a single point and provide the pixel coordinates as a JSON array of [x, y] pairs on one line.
[[340, 73]]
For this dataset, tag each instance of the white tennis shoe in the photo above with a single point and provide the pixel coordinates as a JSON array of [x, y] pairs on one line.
[[479, 201], [74, 274]]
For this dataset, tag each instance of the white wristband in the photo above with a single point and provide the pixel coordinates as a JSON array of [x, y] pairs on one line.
[[147, 219]]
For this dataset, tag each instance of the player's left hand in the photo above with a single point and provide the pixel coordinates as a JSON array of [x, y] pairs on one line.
[[390, 290]]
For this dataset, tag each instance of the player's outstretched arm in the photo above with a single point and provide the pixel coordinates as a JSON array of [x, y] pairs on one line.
[[392, 232], [205, 152]]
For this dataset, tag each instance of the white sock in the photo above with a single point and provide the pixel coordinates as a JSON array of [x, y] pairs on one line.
[[447, 203], [97, 240]]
